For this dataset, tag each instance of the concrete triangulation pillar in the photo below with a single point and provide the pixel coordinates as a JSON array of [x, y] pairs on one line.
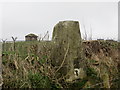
[[67, 54]]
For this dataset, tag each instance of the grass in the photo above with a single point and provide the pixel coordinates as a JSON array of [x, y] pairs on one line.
[[26, 67], [29, 66], [37, 80]]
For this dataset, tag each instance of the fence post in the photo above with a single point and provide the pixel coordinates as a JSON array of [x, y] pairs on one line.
[[3, 44], [14, 40]]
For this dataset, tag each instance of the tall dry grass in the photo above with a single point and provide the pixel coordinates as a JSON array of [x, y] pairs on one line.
[[29, 66]]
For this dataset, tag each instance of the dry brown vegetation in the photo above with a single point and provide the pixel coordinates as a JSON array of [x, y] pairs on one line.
[[29, 66]]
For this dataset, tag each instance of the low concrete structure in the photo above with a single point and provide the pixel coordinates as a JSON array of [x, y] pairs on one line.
[[31, 37]]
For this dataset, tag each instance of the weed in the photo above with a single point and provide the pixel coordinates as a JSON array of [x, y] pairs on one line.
[[38, 80]]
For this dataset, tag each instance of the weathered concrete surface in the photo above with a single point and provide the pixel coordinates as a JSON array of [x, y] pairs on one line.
[[67, 54], [1, 80], [0, 58]]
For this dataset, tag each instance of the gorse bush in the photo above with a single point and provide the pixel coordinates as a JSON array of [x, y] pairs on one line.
[[28, 68], [37, 80]]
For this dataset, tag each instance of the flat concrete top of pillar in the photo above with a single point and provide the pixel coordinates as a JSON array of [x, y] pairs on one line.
[[69, 21]]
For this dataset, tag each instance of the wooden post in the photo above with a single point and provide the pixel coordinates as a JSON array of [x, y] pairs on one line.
[[14, 40], [3, 45]]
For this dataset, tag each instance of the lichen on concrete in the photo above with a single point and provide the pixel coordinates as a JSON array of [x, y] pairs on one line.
[[67, 36]]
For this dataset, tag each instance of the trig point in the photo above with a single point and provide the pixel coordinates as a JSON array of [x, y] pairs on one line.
[[67, 53]]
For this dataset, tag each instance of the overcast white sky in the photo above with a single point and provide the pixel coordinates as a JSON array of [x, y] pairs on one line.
[[21, 18]]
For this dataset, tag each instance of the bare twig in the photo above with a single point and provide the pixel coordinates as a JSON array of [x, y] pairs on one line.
[[39, 37], [102, 83], [85, 37], [90, 38], [63, 59], [1, 80], [46, 35]]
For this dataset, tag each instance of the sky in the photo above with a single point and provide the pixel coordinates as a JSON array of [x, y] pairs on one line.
[[21, 18]]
